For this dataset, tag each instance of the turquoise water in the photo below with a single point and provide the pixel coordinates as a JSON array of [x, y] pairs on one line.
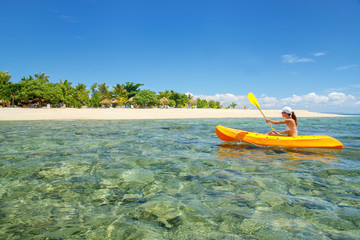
[[174, 179]]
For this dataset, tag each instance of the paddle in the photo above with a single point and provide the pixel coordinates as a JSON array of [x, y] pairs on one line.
[[253, 100]]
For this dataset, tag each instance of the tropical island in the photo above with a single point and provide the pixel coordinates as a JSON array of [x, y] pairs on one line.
[[38, 91], [33, 96]]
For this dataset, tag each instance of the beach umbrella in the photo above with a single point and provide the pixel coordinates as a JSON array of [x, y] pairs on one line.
[[115, 101], [130, 99], [192, 102], [105, 101], [164, 101]]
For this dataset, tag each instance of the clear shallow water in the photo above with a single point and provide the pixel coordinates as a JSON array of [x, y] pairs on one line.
[[174, 179]]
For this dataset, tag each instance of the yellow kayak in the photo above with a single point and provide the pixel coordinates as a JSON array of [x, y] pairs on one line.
[[308, 141]]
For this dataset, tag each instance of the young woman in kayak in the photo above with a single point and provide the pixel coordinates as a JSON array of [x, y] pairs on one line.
[[290, 121]]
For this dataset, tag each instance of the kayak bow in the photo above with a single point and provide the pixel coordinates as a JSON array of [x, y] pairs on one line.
[[306, 141]]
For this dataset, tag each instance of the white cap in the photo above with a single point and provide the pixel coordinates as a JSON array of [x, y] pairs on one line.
[[287, 110]]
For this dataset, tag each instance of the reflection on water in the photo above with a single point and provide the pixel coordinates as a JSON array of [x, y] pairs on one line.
[[172, 179], [288, 157]]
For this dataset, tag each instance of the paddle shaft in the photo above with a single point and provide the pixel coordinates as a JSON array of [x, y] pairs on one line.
[[254, 101], [265, 118]]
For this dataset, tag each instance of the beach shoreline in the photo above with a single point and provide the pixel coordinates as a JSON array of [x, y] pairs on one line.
[[25, 114]]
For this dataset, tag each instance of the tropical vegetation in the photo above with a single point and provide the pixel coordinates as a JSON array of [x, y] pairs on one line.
[[38, 91]]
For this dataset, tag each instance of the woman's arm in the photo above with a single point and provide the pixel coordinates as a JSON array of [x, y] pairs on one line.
[[276, 122], [286, 132]]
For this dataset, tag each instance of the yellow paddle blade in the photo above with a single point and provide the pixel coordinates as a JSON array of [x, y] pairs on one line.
[[253, 100]]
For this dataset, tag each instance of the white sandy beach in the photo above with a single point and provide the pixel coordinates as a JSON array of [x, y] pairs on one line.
[[11, 114]]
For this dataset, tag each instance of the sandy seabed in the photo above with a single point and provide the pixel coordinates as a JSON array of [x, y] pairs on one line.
[[11, 114]]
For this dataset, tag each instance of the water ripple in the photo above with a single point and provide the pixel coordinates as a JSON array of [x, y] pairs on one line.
[[173, 179]]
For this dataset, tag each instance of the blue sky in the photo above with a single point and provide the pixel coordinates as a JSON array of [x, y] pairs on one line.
[[301, 53]]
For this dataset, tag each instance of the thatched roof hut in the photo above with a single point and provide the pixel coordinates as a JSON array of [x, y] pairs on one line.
[[106, 101], [164, 101], [192, 102], [130, 99]]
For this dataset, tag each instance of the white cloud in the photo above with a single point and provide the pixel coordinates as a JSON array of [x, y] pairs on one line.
[[338, 98], [313, 99], [318, 54], [343, 68], [310, 100], [268, 101], [307, 100], [290, 58], [225, 99]]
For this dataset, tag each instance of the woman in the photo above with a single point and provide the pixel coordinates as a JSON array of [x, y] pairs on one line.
[[290, 121]]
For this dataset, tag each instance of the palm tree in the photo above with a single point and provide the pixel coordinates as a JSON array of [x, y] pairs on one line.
[[66, 86], [24, 79], [120, 93], [104, 90], [232, 105], [119, 90], [95, 96], [8, 91], [132, 88], [6, 88], [4, 78], [42, 76], [93, 87], [167, 94], [82, 95], [68, 92], [12, 91]]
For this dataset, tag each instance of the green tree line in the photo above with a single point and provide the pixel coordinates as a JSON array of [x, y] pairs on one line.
[[39, 90]]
